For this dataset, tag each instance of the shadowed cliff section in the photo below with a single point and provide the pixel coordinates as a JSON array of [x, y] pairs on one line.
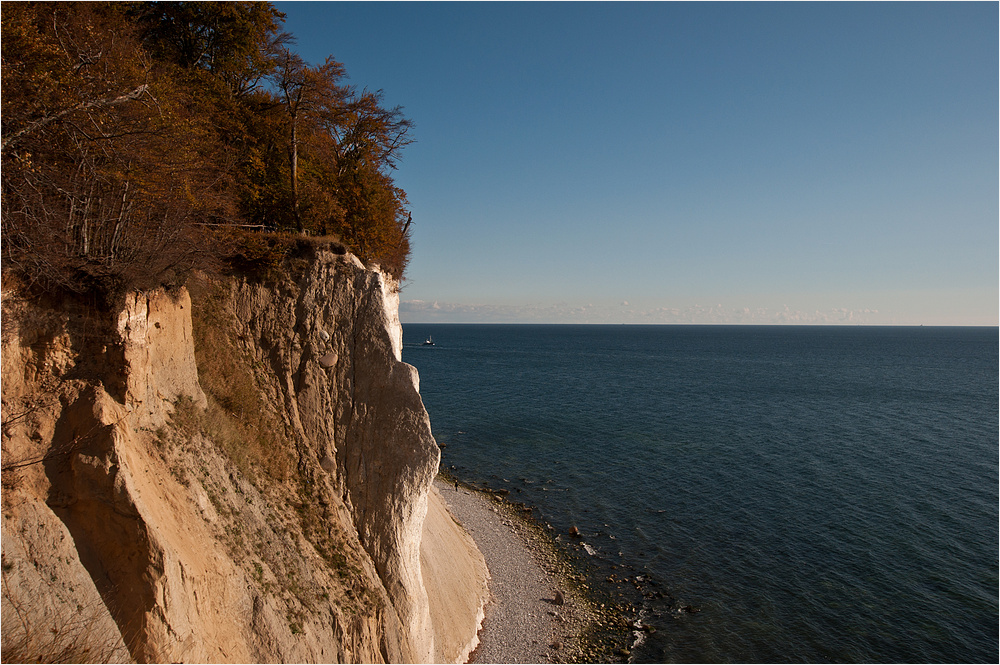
[[266, 502]]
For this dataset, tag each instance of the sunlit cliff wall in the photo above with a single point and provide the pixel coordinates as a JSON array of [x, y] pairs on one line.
[[148, 516]]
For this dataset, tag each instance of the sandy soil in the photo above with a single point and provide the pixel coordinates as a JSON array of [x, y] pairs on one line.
[[524, 623]]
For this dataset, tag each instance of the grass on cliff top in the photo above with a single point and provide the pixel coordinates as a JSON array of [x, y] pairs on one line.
[[49, 268], [265, 256]]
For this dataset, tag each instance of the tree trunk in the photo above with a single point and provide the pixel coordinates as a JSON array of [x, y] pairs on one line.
[[295, 176]]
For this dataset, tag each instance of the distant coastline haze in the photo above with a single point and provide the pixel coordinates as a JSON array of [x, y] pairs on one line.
[[687, 162]]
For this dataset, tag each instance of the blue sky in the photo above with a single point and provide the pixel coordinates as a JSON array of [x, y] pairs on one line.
[[688, 162]]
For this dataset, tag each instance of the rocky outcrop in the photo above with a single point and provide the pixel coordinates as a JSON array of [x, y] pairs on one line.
[[154, 331], [139, 523]]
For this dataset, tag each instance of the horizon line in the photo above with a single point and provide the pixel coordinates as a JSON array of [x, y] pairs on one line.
[[706, 324]]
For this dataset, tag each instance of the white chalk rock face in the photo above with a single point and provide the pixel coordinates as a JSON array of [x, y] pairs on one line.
[[103, 519], [127, 555], [158, 353], [360, 401]]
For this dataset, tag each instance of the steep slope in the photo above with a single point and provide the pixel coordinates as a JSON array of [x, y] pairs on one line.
[[276, 515]]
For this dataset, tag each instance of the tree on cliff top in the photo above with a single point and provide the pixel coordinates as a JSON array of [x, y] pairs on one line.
[[235, 42], [103, 166], [306, 93], [127, 128]]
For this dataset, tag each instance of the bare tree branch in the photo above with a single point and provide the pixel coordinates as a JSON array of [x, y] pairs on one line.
[[10, 140]]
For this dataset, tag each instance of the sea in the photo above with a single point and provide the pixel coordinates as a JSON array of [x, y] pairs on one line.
[[770, 494]]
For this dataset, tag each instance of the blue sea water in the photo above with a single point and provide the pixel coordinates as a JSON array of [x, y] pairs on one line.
[[821, 494]]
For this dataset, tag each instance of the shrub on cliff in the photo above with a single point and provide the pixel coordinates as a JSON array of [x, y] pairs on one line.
[[265, 256], [88, 637], [104, 165]]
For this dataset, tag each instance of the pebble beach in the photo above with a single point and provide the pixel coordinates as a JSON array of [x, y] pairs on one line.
[[538, 611]]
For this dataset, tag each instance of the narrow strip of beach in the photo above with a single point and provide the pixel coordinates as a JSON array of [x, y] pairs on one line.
[[534, 615]]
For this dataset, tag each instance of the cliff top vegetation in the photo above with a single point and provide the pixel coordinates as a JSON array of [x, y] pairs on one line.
[[143, 139]]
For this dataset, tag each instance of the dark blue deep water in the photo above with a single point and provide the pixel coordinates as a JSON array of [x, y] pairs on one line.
[[822, 494]]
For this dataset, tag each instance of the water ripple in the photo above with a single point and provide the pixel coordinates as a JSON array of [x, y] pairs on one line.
[[823, 494]]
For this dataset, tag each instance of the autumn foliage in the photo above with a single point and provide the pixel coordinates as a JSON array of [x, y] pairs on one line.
[[133, 132]]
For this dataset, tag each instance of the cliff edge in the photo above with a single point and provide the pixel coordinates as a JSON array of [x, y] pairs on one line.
[[237, 473]]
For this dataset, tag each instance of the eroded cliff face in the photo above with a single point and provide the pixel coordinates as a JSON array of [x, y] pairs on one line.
[[144, 520]]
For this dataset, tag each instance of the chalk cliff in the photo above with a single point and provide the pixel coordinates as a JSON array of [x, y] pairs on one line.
[[240, 473]]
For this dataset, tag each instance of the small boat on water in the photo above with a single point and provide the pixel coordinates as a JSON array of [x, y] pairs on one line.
[[429, 342]]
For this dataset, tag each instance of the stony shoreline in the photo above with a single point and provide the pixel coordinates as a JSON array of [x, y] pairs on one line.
[[542, 607]]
